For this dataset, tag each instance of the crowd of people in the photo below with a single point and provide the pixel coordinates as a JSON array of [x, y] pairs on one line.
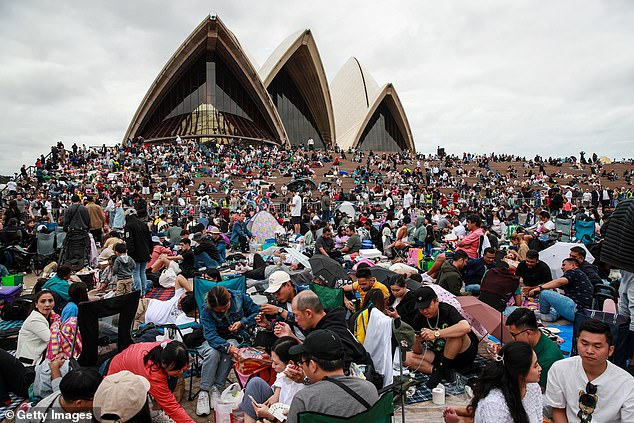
[[146, 216]]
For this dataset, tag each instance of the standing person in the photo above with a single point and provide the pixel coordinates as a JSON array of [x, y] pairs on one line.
[[507, 390], [123, 269], [326, 204], [97, 219], [139, 242], [588, 387], [408, 201], [77, 242], [296, 212]]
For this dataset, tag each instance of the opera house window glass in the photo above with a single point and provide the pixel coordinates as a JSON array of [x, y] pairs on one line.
[[207, 99], [293, 110], [382, 132]]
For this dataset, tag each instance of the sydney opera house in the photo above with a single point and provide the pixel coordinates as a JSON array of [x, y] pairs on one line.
[[210, 89]]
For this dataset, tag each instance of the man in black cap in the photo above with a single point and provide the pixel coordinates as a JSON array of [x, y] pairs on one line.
[[445, 340], [330, 391]]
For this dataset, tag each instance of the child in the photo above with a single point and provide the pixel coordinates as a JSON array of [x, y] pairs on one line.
[[107, 280], [258, 395], [122, 269]]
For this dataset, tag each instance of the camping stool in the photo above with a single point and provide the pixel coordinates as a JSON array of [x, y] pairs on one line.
[[10, 293]]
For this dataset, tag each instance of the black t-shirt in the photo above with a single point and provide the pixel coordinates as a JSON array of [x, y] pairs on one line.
[[447, 316], [578, 288], [188, 264], [537, 275]]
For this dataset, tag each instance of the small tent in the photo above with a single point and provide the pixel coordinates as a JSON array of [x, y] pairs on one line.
[[263, 226]]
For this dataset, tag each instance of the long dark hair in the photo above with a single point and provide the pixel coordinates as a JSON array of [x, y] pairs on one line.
[[168, 355], [516, 359], [78, 292], [376, 297]]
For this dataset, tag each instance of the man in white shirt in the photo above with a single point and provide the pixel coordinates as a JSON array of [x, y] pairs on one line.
[[408, 200], [588, 387], [296, 211]]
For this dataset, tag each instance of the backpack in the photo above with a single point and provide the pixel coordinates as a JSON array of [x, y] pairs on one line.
[[17, 310]]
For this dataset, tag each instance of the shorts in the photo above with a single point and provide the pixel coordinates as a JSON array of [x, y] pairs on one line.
[[296, 220], [464, 359]]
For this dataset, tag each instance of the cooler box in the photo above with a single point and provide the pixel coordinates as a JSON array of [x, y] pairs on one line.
[[370, 253], [10, 293]]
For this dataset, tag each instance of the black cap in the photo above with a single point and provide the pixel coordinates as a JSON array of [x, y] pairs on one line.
[[424, 296], [321, 344]]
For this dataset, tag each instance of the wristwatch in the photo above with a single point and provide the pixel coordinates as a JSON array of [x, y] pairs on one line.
[[437, 334], [280, 310]]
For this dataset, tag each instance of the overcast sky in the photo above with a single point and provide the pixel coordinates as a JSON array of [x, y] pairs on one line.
[[517, 76]]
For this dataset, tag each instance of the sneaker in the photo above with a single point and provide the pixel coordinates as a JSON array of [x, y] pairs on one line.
[[547, 317], [434, 379], [215, 397], [159, 416], [202, 407]]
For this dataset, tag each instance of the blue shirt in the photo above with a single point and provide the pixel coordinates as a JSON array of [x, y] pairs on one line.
[[70, 310]]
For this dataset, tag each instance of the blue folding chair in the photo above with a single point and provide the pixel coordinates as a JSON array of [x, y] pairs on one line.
[[584, 231]]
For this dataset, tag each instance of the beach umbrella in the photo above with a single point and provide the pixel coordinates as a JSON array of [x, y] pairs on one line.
[[554, 254], [491, 319], [301, 258], [328, 270], [347, 208]]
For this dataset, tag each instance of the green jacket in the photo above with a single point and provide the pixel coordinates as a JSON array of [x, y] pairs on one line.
[[450, 278]]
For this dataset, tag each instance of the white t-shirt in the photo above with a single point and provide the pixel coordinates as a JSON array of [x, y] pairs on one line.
[[164, 312], [288, 388], [493, 407], [615, 389], [549, 224], [296, 209], [408, 199]]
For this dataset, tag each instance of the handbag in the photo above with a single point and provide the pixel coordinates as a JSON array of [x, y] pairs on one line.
[[619, 326]]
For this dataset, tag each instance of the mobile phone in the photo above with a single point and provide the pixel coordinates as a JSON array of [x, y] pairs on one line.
[[390, 308]]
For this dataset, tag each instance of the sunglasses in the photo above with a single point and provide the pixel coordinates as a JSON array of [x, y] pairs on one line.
[[587, 403]]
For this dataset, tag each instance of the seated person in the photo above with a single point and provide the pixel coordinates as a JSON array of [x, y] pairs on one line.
[[156, 362], [35, 332], [471, 242], [401, 242], [75, 395], [522, 325], [178, 310], [221, 244], [284, 291], [533, 271], [353, 244], [119, 388], [577, 293], [591, 271], [158, 250], [186, 258], [226, 316], [107, 280], [359, 321], [498, 286], [262, 271], [475, 269], [449, 341], [449, 276], [206, 253], [321, 360], [401, 301], [588, 387], [365, 282], [282, 391], [59, 283], [325, 244]]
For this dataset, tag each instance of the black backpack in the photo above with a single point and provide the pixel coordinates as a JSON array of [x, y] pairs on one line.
[[18, 309]]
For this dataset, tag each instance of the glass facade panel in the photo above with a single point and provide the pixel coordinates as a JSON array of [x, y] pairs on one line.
[[382, 132], [207, 99], [293, 110]]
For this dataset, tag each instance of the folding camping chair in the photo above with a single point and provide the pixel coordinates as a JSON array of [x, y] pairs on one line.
[[564, 226], [174, 234], [95, 332], [45, 251], [584, 231], [381, 412]]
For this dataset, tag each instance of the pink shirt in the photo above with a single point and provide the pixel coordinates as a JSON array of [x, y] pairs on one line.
[[472, 242]]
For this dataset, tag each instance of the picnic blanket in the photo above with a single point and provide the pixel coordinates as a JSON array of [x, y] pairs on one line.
[[160, 293], [10, 324], [423, 393]]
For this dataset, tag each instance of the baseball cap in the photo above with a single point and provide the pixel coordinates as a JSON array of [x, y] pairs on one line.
[[120, 397], [276, 280], [424, 296], [321, 344], [214, 230], [130, 211], [156, 239]]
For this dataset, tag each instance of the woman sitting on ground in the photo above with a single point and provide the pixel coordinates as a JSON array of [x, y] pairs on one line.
[[157, 362], [402, 300], [507, 390], [359, 321], [36, 331]]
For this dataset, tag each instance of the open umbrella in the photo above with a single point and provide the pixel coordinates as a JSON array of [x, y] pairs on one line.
[[328, 270], [383, 275], [298, 256], [301, 184], [348, 208], [554, 254], [491, 319]]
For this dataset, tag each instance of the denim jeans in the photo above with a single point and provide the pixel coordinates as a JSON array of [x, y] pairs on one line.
[[222, 251], [139, 281], [259, 390], [215, 368], [556, 304], [204, 260], [474, 289]]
